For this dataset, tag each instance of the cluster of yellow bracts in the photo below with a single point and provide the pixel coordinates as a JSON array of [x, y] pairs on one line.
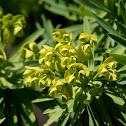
[[11, 26], [62, 67]]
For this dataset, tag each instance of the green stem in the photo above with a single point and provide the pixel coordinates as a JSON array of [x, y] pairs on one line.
[[1, 46], [95, 76], [13, 57], [4, 46]]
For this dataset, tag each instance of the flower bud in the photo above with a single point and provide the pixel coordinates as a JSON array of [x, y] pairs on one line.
[[62, 36], [66, 61], [84, 39], [107, 69], [93, 41], [67, 50], [35, 76]]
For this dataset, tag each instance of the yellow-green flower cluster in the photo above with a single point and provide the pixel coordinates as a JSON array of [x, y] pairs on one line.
[[11, 26], [85, 39], [76, 72], [29, 50], [66, 89], [49, 58], [87, 42], [108, 69], [35, 76], [62, 36], [61, 69], [3, 57]]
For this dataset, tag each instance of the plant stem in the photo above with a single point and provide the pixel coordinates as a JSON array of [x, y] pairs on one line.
[[1, 46], [95, 76]]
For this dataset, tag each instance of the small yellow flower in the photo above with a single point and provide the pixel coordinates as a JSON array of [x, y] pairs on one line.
[[107, 69], [84, 39], [49, 58], [35, 76], [75, 72], [93, 41], [62, 36], [67, 50], [66, 90]]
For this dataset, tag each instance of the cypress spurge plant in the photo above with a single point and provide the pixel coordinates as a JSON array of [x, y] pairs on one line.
[[84, 94], [76, 90]]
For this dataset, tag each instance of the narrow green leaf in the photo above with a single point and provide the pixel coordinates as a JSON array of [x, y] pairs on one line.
[[103, 112], [70, 105], [119, 49], [111, 30], [57, 108], [1, 99], [119, 58], [118, 39], [100, 5], [63, 119], [76, 11], [100, 37], [91, 122], [34, 36], [121, 27], [53, 118], [85, 11], [122, 72], [94, 113], [1, 120], [111, 106], [107, 42], [123, 11], [78, 112], [116, 99], [87, 4], [28, 115], [105, 25], [23, 104], [60, 8], [74, 28], [86, 26], [124, 115], [47, 25], [122, 82], [41, 100]]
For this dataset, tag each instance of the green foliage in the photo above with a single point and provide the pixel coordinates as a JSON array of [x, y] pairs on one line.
[[74, 84], [14, 109], [77, 73]]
